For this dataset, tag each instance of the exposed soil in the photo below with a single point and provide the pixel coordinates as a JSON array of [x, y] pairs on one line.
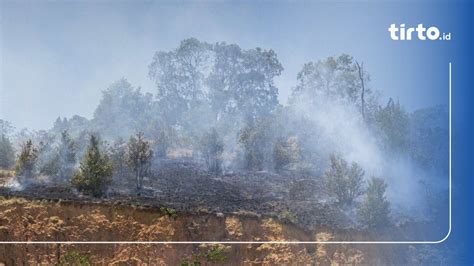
[[44, 220]]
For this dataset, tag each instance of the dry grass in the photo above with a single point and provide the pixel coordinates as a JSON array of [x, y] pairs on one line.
[[6, 173]]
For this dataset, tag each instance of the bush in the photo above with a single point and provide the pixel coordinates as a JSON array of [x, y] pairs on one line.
[[257, 142], [26, 163], [375, 209], [344, 182], [288, 216], [216, 254], [74, 258], [95, 172], [170, 212]]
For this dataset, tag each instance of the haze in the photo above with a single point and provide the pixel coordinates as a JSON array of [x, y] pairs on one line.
[[56, 58]]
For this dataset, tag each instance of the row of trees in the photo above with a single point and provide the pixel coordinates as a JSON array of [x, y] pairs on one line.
[[96, 168], [223, 92]]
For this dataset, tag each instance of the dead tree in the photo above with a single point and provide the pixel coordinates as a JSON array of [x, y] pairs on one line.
[[360, 68]]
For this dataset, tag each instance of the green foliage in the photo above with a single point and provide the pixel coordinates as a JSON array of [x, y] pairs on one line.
[[74, 258], [220, 78], [216, 254], [122, 110], [170, 212], [7, 153], [334, 77], [257, 142], [288, 216], [343, 181], [194, 262], [139, 155], [212, 147], [95, 171], [375, 209], [27, 158], [285, 152], [179, 78], [393, 121]]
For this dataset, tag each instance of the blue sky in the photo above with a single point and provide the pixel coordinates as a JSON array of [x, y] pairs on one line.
[[57, 57]]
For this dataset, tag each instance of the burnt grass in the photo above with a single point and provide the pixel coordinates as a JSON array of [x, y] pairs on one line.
[[185, 187]]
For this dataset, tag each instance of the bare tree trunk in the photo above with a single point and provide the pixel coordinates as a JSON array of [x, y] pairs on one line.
[[138, 180], [362, 94]]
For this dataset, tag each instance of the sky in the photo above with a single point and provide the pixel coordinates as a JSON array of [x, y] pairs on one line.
[[57, 57]]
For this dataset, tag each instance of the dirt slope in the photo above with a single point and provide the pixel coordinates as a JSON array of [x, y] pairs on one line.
[[44, 220]]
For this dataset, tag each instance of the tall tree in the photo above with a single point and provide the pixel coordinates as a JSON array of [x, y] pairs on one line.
[[122, 110], [360, 69], [95, 172], [139, 155], [243, 81], [335, 78], [180, 77], [222, 79]]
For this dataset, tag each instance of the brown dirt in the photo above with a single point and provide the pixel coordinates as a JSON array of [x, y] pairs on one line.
[[24, 220]]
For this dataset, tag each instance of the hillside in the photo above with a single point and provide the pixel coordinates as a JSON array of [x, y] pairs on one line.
[[45, 220]]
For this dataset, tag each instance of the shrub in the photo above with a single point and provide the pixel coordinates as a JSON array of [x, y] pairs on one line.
[[288, 216], [216, 254], [95, 172], [257, 142], [187, 262], [27, 160], [375, 209], [74, 258], [170, 212], [344, 182]]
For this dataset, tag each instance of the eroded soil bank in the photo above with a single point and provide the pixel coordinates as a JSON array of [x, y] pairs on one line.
[[34, 220]]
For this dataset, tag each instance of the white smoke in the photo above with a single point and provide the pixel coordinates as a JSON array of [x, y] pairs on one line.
[[342, 130]]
